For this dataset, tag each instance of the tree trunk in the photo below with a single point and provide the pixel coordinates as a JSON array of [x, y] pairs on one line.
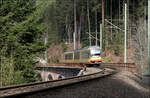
[[89, 21], [118, 19], [67, 29], [103, 14], [103, 22], [122, 22], [111, 19], [96, 26], [75, 23], [79, 31]]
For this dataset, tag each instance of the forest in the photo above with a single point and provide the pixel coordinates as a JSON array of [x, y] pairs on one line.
[[29, 27]]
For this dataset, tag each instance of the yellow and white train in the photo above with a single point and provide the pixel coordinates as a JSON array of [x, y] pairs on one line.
[[90, 55]]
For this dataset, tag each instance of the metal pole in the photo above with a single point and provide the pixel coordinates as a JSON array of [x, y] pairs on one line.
[[100, 36], [46, 49], [75, 24], [125, 35], [103, 2], [96, 26], [147, 72], [74, 40]]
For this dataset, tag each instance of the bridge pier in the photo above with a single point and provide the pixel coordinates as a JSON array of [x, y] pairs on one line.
[[47, 76]]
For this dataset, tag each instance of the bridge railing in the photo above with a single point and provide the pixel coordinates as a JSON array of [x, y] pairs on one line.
[[127, 66]]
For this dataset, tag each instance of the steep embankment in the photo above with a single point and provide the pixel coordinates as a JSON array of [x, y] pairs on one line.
[[55, 52], [111, 57]]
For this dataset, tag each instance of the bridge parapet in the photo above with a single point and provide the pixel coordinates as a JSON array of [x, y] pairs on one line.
[[58, 72]]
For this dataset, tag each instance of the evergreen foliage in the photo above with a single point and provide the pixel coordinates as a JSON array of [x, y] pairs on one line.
[[20, 38]]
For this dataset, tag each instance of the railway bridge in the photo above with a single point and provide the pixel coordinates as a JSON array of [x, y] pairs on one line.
[[109, 81], [58, 72], [63, 70]]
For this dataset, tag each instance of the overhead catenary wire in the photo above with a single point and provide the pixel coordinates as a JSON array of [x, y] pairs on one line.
[[114, 25], [109, 23], [93, 36]]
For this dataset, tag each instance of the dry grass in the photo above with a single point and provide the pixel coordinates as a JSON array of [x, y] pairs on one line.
[[110, 57]]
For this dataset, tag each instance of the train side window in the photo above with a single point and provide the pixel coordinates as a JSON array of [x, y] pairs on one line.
[[85, 54], [68, 56], [76, 55]]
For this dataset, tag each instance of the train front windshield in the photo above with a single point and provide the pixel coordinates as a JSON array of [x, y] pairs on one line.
[[95, 52]]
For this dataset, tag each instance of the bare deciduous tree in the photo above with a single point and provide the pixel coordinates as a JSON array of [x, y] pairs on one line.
[[140, 42]]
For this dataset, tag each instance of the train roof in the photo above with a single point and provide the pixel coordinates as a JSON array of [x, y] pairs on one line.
[[88, 47], [91, 47]]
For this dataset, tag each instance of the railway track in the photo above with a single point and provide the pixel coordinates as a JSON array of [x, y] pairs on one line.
[[107, 69], [35, 87], [128, 65], [84, 65], [120, 66]]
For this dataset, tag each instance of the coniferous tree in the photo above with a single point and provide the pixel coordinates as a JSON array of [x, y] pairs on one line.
[[20, 36]]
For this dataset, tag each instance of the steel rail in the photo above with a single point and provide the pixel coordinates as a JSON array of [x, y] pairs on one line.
[[129, 65], [121, 66], [83, 65]]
